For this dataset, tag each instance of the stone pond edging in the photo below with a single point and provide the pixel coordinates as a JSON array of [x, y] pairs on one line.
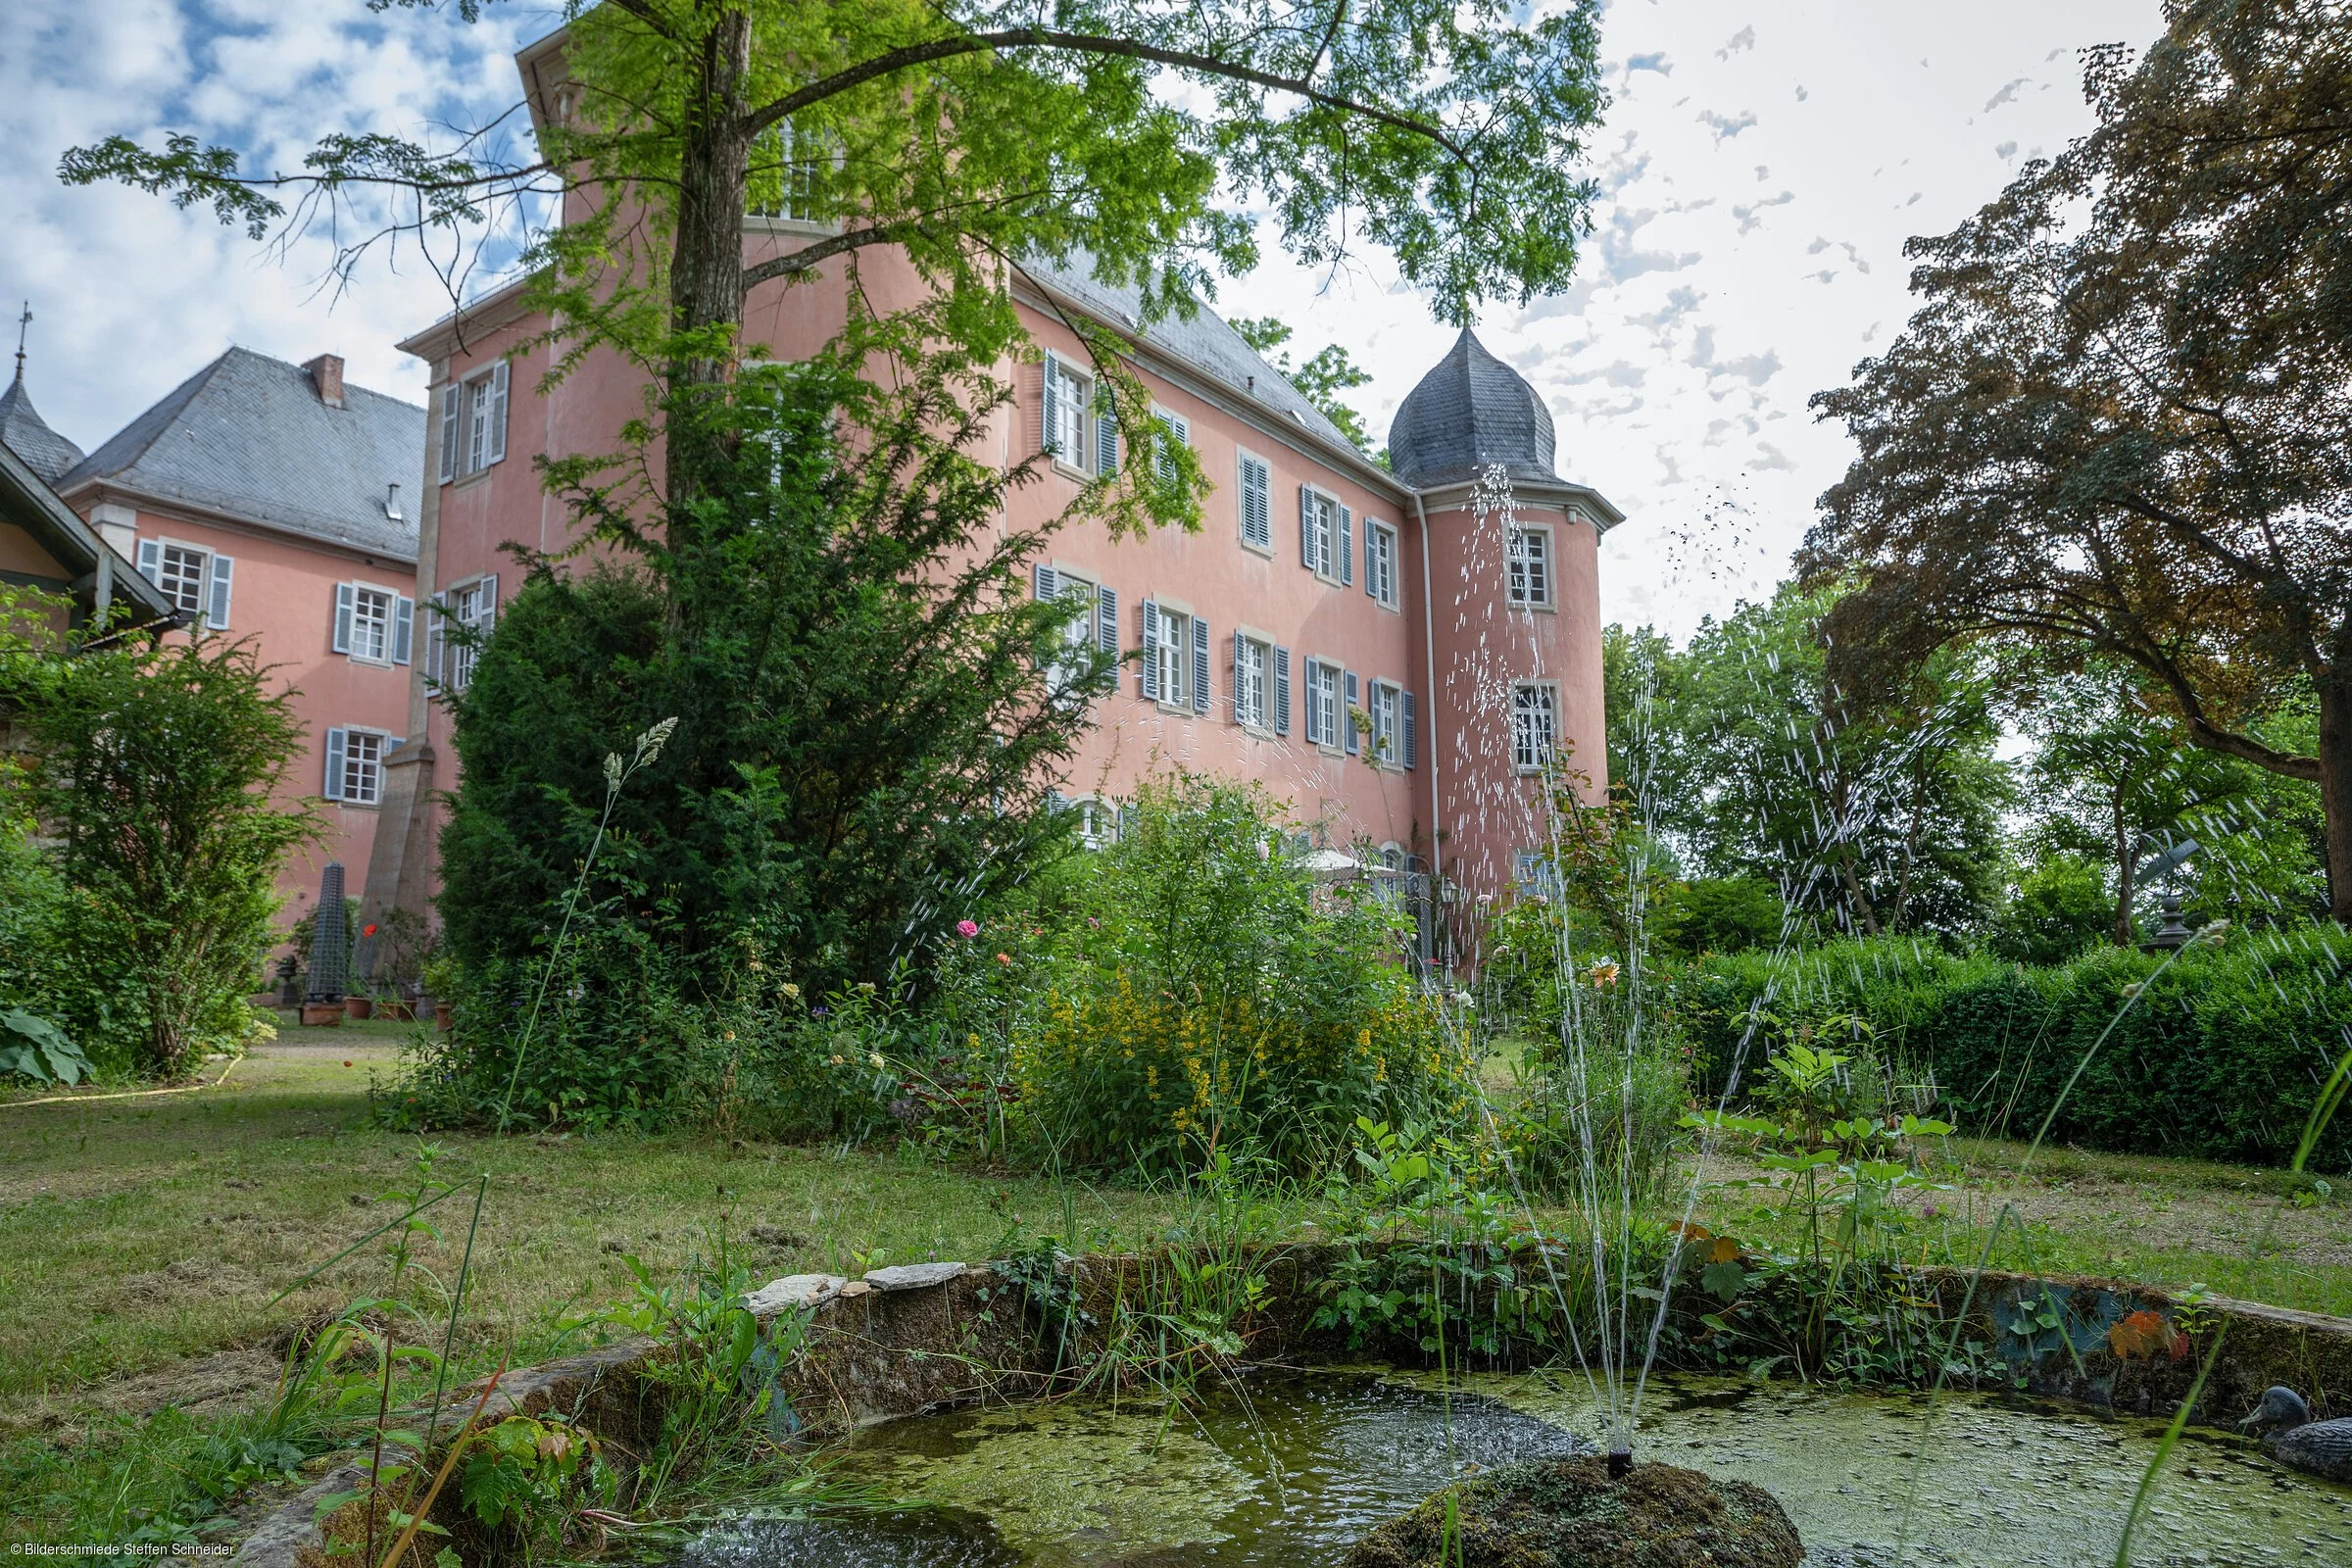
[[902, 1341]]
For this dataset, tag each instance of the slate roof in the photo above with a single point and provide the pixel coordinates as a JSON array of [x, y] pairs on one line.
[[248, 437], [1471, 410], [25, 434], [1205, 342]]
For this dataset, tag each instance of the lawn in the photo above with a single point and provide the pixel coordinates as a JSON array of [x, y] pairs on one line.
[[145, 1238]]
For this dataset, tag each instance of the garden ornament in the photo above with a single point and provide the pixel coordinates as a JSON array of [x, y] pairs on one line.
[[2283, 1423]]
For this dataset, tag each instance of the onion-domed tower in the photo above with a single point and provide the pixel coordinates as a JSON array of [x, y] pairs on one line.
[[1514, 614]]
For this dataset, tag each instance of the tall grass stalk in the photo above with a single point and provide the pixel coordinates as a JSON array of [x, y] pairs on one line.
[[617, 774]]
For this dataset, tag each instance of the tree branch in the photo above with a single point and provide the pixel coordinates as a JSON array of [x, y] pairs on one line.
[[917, 54]]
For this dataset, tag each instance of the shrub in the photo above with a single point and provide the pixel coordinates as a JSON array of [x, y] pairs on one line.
[[2220, 1054], [1205, 993], [2059, 907], [1720, 915], [152, 767]]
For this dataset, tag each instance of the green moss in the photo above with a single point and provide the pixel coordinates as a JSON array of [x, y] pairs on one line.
[[1570, 1513]]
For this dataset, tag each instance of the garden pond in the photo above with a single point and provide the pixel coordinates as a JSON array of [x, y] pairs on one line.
[[1290, 1468]]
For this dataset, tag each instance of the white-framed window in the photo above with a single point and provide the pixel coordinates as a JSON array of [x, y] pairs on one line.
[[1258, 501], [1385, 703], [1529, 566], [1535, 724], [1167, 669], [1098, 822], [355, 765], [1077, 423], [470, 604], [1170, 431], [1533, 872], [194, 578], [1098, 625], [1326, 703], [1252, 681], [473, 422], [781, 180], [374, 624], [1325, 545], [1379, 562]]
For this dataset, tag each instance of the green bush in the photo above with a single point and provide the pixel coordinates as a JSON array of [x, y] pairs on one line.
[[149, 767], [2219, 1054], [2060, 908], [1201, 993], [1720, 915]]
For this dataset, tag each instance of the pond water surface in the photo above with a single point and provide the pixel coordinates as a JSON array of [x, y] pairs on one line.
[[1289, 1469]]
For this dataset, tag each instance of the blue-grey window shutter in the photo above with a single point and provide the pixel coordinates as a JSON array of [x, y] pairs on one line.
[[1312, 674], [449, 430], [1240, 652], [1044, 581], [1151, 650], [1347, 735], [1347, 546], [1045, 404], [489, 603], [1281, 691], [1371, 573], [1306, 526], [495, 438], [1200, 663], [151, 560], [436, 637], [1412, 751], [1107, 437], [1107, 622], [342, 643], [333, 783], [404, 628], [216, 612]]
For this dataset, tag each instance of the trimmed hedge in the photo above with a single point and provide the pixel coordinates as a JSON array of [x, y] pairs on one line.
[[2221, 1056]]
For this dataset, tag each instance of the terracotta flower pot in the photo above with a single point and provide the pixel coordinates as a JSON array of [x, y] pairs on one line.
[[396, 1011], [359, 1006], [441, 1016], [321, 1014]]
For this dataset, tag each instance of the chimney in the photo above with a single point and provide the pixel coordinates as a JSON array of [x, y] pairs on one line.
[[326, 373]]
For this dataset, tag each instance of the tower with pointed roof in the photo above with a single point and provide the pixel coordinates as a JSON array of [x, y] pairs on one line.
[[23, 432]]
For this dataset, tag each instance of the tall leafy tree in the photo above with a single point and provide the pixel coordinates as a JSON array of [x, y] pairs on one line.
[[2111, 779], [972, 135], [1877, 809], [2116, 424]]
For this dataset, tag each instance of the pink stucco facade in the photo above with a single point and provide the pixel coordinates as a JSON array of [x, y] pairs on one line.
[[1452, 642], [1446, 633], [282, 595]]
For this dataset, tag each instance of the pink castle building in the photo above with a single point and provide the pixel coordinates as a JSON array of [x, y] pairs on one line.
[[264, 499], [1397, 651]]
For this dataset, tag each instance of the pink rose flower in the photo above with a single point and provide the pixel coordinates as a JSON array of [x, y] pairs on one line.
[[968, 928]]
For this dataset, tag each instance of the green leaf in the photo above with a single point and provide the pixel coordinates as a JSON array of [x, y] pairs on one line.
[[1723, 1280]]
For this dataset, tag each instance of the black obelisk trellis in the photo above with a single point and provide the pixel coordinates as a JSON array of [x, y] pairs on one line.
[[330, 944]]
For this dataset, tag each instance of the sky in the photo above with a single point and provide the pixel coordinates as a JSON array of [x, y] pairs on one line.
[[1760, 168]]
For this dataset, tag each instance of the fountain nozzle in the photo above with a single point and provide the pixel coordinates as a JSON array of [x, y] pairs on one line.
[[1620, 1463]]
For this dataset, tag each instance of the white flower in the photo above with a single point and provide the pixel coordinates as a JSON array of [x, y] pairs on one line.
[[875, 1056]]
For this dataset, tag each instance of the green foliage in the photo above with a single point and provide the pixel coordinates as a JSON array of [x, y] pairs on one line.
[[1203, 993], [35, 1047], [1321, 380], [1874, 807], [1452, 138], [870, 706], [1719, 914], [153, 768], [2219, 1054], [521, 1474], [2059, 908]]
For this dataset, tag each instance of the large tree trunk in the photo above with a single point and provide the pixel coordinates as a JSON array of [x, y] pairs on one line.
[[2335, 790], [706, 268]]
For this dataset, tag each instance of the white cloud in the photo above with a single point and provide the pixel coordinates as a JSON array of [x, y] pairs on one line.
[[1690, 327]]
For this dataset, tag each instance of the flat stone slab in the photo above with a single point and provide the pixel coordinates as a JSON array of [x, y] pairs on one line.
[[793, 1292], [912, 1276]]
